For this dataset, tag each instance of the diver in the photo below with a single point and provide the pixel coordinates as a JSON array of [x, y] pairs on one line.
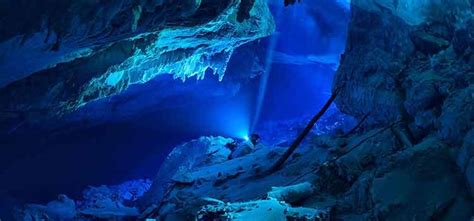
[[255, 139], [239, 149]]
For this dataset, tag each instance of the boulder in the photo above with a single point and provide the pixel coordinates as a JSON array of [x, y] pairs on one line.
[[261, 210], [429, 44], [467, 151], [369, 69], [359, 196], [105, 202], [464, 38], [424, 91], [470, 175], [63, 208], [242, 149], [183, 159], [457, 116], [292, 194], [423, 183]]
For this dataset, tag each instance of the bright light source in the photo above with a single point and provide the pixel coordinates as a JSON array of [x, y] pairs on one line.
[[246, 138]]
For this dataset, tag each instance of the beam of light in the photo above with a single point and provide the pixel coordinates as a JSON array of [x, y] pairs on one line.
[[268, 67]]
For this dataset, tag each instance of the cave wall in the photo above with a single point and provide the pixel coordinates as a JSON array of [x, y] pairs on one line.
[[415, 71], [414, 65]]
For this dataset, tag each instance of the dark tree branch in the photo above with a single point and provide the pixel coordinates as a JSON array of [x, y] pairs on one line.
[[305, 132]]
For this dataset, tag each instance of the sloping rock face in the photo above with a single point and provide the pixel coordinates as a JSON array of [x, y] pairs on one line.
[[77, 52]]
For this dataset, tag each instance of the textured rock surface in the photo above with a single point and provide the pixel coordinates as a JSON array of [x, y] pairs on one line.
[[103, 50], [398, 196], [104, 202], [266, 210], [61, 209], [196, 153], [370, 176], [401, 69], [415, 66]]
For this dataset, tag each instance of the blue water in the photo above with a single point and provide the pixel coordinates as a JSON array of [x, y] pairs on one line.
[[128, 136]]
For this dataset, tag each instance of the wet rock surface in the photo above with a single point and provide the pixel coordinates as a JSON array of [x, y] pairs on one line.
[[371, 176], [367, 179], [103, 202]]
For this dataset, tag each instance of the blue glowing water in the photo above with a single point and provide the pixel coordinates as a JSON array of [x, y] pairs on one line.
[[132, 132]]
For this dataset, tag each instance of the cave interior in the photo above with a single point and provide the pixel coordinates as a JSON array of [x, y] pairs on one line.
[[260, 110]]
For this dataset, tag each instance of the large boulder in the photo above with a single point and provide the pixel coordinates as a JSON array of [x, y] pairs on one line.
[[261, 210], [370, 66], [457, 116], [424, 182], [465, 159], [470, 175], [467, 151], [183, 159], [97, 203], [63, 208]]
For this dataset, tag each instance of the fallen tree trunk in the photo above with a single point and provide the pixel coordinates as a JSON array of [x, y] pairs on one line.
[[305, 132]]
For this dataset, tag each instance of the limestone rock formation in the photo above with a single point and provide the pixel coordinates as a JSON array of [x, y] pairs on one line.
[[84, 51]]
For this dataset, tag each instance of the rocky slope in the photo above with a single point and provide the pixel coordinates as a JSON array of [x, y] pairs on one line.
[[366, 176]]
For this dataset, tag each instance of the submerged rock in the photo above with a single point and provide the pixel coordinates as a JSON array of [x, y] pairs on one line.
[[423, 183], [470, 175], [104, 202], [467, 150], [63, 208], [183, 159], [428, 43], [458, 115], [262, 210], [291, 194]]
